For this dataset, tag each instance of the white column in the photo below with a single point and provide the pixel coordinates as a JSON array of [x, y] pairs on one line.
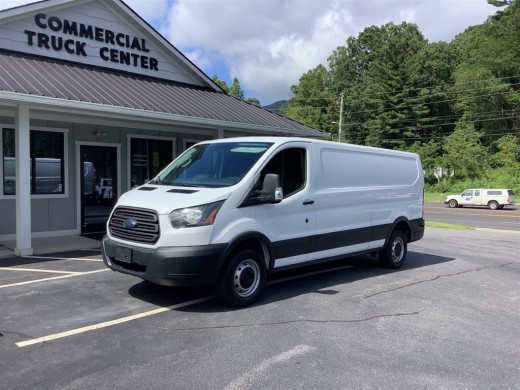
[[23, 184], [220, 133]]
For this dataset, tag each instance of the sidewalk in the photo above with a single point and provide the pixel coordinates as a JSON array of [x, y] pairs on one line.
[[43, 246]]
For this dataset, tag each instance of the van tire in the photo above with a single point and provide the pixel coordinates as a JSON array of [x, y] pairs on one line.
[[493, 205], [242, 279], [394, 253], [453, 203]]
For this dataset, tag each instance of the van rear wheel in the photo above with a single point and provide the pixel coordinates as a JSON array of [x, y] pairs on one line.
[[394, 253], [242, 279]]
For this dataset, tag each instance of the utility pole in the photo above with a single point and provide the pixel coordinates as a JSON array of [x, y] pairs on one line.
[[340, 117]]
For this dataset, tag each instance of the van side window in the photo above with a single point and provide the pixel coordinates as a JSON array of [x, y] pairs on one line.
[[290, 165], [477, 192]]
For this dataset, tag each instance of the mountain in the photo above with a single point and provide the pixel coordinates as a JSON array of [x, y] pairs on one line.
[[275, 107]]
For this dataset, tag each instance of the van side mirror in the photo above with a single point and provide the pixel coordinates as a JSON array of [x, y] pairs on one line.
[[270, 192], [271, 189]]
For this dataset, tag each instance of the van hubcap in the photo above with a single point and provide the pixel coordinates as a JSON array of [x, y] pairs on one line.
[[397, 250], [246, 278]]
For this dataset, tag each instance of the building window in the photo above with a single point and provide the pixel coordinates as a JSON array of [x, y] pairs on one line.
[[47, 162], [148, 158]]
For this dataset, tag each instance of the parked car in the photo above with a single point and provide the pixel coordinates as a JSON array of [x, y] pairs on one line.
[[492, 198]]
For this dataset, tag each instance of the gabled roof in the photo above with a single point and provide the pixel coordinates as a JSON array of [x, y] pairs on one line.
[[116, 16], [52, 82], [177, 90]]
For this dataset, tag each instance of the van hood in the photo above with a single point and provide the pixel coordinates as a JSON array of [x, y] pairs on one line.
[[165, 199]]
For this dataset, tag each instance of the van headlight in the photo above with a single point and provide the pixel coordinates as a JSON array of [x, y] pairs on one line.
[[202, 215]]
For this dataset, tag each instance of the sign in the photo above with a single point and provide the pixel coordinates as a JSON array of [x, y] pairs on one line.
[[118, 47], [95, 33]]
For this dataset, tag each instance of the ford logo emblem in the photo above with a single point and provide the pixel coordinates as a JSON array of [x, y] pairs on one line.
[[129, 223]]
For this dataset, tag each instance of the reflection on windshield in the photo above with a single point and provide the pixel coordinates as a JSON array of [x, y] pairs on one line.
[[212, 165]]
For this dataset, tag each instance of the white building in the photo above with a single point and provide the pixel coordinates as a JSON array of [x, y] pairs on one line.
[[91, 95]]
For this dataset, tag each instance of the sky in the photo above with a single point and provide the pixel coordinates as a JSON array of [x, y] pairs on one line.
[[269, 44]]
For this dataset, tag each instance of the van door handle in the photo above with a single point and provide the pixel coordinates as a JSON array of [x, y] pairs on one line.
[[308, 201]]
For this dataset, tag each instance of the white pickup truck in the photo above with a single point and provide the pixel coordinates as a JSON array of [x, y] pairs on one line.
[[492, 198]]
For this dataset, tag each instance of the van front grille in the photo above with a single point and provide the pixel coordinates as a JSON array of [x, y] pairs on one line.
[[133, 224]]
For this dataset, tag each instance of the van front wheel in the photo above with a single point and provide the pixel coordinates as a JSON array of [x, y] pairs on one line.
[[394, 253], [242, 279]]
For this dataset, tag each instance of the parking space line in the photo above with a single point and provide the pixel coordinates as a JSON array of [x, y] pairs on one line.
[[36, 270], [147, 313], [65, 258], [110, 323], [254, 376], [53, 278]]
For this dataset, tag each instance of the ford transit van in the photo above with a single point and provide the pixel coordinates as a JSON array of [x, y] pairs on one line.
[[227, 212]]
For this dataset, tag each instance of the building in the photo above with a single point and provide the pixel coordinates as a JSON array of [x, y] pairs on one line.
[[94, 101]]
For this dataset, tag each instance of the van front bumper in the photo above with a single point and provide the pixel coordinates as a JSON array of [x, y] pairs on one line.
[[184, 266]]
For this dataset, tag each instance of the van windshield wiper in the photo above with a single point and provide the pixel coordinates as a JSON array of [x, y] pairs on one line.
[[186, 185]]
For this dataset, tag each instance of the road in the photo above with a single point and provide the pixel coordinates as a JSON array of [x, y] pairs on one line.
[[479, 217]]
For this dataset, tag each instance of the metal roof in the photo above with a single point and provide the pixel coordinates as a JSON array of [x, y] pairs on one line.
[[66, 81]]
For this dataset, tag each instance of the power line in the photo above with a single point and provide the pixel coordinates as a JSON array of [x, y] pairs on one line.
[[399, 91], [419, 104]]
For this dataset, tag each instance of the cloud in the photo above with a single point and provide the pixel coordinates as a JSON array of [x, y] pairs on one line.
[[5, 4], [270, 44], [152, 11]]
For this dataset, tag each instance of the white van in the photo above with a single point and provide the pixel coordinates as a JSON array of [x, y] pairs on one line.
[[493, 198], [229, 211]]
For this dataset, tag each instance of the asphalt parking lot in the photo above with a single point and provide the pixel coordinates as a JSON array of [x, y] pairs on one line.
[[447, 320]]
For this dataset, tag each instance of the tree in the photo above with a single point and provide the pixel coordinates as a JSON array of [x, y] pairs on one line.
[[373, 72], [430, 153], [464, 154], [431, 76], [488, 77], [255, 101], [235, 89], [507, 153], [452, 103], [221, 83], [500, 3], [313, 103]]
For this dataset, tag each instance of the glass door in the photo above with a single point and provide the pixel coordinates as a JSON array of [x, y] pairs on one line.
[[98, 185]]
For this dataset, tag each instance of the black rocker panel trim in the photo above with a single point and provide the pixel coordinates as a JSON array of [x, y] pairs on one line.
[[322, 242]]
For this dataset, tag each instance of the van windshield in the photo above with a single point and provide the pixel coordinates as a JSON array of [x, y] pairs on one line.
[[213, 165]]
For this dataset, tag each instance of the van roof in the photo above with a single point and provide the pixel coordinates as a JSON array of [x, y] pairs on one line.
[[283, 140]]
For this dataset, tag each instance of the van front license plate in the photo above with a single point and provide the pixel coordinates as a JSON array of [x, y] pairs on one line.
[[123, 254]]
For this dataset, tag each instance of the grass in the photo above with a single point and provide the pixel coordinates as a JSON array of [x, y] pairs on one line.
[[434, 197], [443, 225]]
